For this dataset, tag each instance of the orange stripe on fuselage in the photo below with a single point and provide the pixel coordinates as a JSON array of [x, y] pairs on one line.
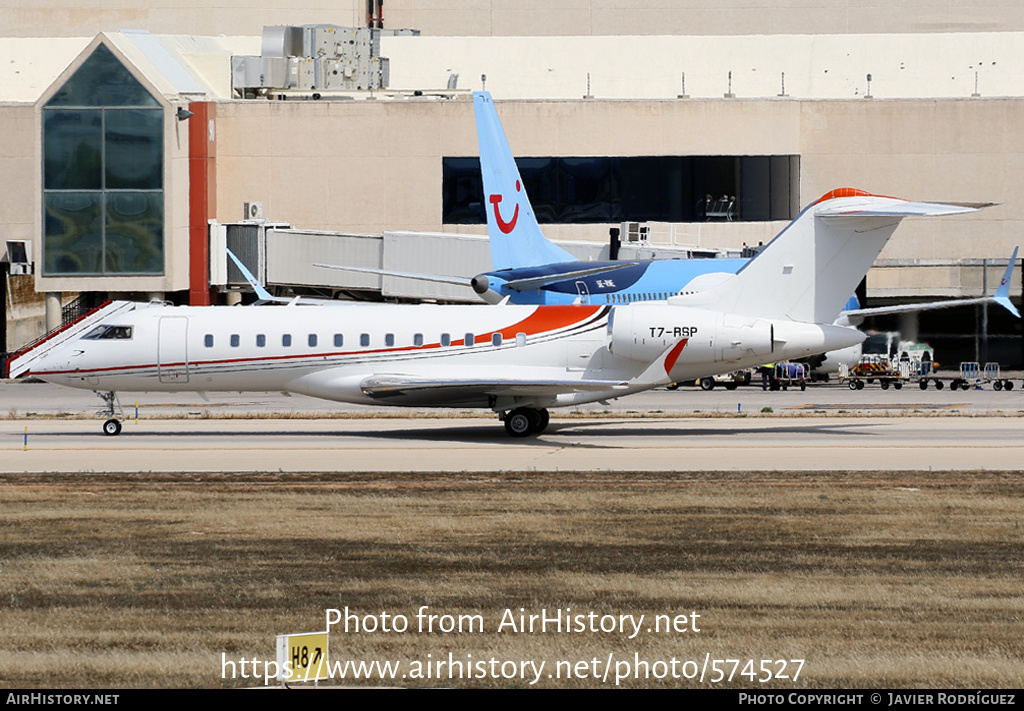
[[546, 318]]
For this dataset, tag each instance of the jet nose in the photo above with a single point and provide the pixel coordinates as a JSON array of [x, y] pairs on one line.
[[59, 361]]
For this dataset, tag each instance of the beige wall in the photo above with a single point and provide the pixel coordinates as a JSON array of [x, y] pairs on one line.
[[17, 184], [370, 166], [518, 17]]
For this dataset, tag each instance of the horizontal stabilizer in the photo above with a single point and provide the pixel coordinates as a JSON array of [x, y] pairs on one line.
[[1001, 297], [541, 281], [897, 208], [809, 270]]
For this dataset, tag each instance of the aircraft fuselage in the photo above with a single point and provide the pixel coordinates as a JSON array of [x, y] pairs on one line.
[[425, 355]]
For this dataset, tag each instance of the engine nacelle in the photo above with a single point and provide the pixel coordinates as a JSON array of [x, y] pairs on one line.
[[716, 341], [642, 332]]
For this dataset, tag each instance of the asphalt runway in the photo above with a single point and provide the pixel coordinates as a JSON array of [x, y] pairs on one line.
[[822, 429]]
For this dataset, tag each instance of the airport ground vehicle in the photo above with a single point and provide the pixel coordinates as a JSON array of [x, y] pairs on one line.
[[969, 376], [788, 375], [730, 381]]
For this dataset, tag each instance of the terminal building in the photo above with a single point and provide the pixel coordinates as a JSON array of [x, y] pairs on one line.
[[142, 140]]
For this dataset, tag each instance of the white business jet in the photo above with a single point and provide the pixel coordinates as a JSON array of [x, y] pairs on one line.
[[516, 360]]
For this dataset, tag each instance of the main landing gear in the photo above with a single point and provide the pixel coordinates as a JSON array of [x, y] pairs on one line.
[[112, 427], [525, 421]]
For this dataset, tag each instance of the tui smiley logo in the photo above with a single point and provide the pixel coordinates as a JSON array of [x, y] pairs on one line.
[[505, 227]]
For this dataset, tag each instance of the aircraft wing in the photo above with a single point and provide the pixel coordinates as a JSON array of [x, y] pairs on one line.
[[410, 390], [457, 280], [537, 282]]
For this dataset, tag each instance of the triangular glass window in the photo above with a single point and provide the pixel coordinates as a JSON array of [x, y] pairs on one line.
[[102, 81]]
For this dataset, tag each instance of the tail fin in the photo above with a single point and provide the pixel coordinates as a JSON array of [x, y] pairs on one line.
[[809, 270], [515, 236]]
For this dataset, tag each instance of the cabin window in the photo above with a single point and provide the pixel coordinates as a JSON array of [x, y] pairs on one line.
[[364, 339], [339, 340], [208, 340], [446, 339], [389, 339], [261, 340], [520, 340], [235, 340], [495, 339], [417, 339], [312, 340], [470, 339], [286, 340], [109, 333]]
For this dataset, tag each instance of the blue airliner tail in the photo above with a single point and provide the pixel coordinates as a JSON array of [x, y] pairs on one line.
[[515, 236]]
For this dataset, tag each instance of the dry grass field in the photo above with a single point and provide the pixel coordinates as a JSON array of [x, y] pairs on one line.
[[875, 580]]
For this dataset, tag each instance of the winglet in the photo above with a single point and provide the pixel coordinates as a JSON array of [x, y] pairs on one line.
[[1002, 295], [262, 293]]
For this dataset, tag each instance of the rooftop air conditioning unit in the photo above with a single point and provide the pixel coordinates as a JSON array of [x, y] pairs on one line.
[[19, 254], [633, 232], [253, 211]]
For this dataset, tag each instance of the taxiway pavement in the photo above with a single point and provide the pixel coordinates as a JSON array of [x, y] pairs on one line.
[[822, 429]]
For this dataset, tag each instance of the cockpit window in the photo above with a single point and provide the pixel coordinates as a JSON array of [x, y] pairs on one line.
[[109, 333]]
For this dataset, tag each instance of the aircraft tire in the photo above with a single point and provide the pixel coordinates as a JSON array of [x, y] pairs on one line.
[[543, 417], [112, 427], [707, 383], [521, 422]]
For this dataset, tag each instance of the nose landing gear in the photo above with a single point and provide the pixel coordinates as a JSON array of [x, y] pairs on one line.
[[112, 427]]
